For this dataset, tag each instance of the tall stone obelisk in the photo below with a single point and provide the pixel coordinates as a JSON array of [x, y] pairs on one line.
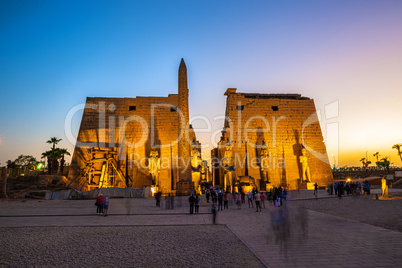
[[184, 143]]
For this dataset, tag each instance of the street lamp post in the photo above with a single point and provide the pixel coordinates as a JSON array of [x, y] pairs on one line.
[[334, 160], [366, 160]]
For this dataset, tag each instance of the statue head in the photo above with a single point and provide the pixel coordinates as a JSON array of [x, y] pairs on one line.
[[228, 150], [195, 152], [153, 153]]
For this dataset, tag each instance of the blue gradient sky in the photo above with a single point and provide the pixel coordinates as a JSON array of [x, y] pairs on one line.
[[53, 54]]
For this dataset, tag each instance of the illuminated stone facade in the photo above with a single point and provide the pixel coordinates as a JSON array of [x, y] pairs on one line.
[[131, 127], [274, 128], [269, 137]]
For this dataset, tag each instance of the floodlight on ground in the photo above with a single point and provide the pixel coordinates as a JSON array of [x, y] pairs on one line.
[[40, 165]]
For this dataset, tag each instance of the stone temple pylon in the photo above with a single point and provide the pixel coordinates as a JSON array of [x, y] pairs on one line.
[[184, 152]]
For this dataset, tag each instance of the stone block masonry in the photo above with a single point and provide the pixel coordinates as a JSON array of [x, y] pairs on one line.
[[131, 127], [128, 129], [286, 123]]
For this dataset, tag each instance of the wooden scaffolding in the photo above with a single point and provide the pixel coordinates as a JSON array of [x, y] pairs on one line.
[[102, 171]]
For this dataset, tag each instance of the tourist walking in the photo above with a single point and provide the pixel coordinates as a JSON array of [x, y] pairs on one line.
[[238, 200], [315, 189], [340, 190], [274, 197], [207, 194], [226, 201], [99, 204], [243, 196], [191, 200], [279, 201], [220, 200], [158, 199], [214, 210], [262, 199], [257, 198], [270, 197], [347, 188], [105, 205], [250, 199], [197, 203]]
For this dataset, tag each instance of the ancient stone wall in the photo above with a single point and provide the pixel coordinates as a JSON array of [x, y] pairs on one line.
[[286, 122], [130, 126]]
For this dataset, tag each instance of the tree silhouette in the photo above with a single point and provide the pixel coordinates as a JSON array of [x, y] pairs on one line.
[[53, 141], [398, 147], [363, 160], [376, 154], [385, 163]]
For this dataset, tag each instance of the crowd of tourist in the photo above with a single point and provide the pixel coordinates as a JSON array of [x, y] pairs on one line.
[[219, 199], [351, 188]]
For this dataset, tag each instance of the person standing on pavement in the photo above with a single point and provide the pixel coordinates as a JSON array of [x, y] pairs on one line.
[[340, 190], [250, 199], [270, 197], [238, 200], [191, 200], [158, 199], [99, 204], [105, 205], [274, 197], [220, 200], [197, 203], [214, 210], [257, 198], [315, 189], [262, 199], [225, 201]]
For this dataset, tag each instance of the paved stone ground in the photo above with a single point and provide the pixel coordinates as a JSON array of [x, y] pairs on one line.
[[306, 238], [125, 246]]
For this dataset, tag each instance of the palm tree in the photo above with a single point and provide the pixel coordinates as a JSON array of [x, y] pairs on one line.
[[62, 153], [48, 155], [398, 147], [385, 163], [53, 141], [376, 154], [363, 160], [52, 160]]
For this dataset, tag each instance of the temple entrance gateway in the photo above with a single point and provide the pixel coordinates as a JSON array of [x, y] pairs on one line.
[[124, 131]]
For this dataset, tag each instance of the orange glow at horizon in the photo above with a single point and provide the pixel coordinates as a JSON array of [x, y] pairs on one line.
[[351, 158]]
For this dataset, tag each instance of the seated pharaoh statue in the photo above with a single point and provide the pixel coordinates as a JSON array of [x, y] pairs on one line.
[[196, 167], [228, 164]]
